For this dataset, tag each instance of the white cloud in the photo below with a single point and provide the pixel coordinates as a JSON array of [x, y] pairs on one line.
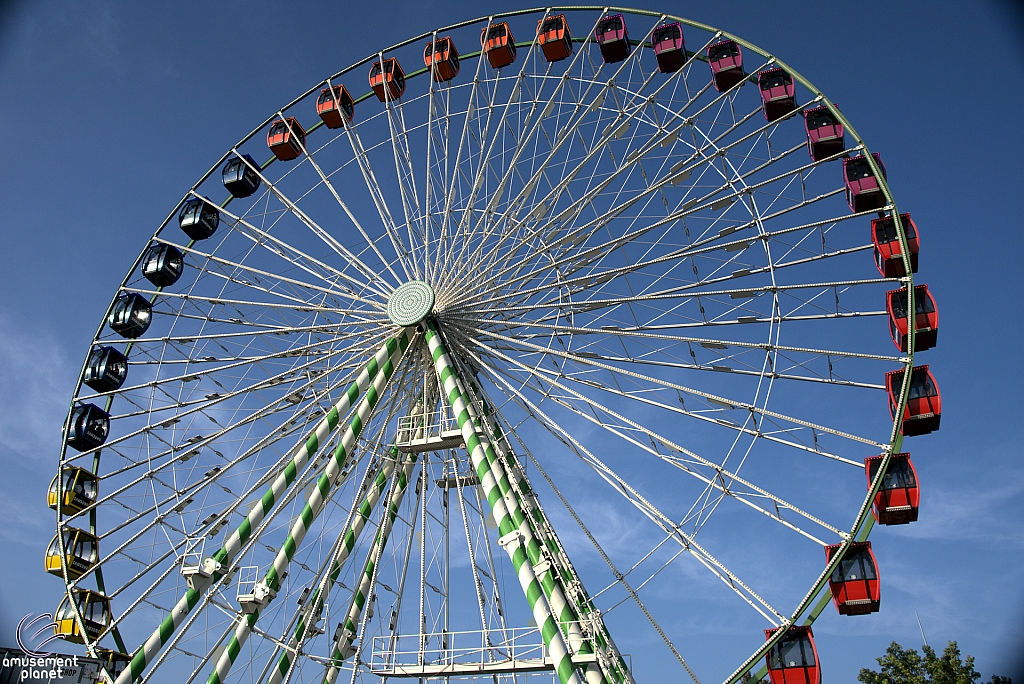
[[36, 382]]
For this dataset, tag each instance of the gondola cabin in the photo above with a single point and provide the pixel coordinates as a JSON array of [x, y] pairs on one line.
[[726, 60], [76, 489], [335, 106], [613, 38], [824, 133], [926, 318], [80, 552], [106, 369], [387, 79], [88, 427], [163, 265], [778, 93], [924, 407], [794, 659], [863, 192], [130, 315], [113, 661], [239, 176], [854, 583], [553, 36], [669, 47], [898, 498], [889, 251], [286, 138], [199, 218], [498, 45], [441, 57], [94, 609]]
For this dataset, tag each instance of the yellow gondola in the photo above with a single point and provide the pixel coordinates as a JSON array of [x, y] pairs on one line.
[[113, 661], [81, 552], [79, 488], [94, 608]]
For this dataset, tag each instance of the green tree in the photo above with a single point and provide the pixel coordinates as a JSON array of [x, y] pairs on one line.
[[906, 666]]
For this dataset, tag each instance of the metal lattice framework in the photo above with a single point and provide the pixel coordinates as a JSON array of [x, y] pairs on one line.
[[632, 298]]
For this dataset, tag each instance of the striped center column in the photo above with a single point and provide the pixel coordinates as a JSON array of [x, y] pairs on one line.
[[146, 653], [511, 540], [613, 665], [318, 497], [546, 571]]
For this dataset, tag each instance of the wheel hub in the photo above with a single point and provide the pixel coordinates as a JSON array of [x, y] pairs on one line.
[[410, 303]]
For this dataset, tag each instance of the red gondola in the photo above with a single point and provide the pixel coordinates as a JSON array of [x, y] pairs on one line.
[[778, 93], [553, 36], [499, 45], [824, 133], [387, 79], [335, 106], [794, 659], [286, 138], [613, 38], [899, 496], [441, 57], [926, 318], [855, 587], [726, 60], [924, 407], [669, 47], [888, 251], [863, 192]]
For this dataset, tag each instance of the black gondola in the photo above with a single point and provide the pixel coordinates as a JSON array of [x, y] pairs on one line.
[[239, 176], [130, 316], [199, 218], [88, 427], [163, 265], [106, 369]]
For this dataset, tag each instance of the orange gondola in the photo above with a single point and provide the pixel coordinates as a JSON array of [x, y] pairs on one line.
[[441, 57], [499, 45], [335, 106], [387, 79], [286, 138], [553, 36]]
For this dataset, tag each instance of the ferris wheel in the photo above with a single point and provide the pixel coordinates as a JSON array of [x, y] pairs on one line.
[[617, 262]]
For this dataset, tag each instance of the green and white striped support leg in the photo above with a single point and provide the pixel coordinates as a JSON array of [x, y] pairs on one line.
[[350, 627], [373, 494], [511, 539], [318, 497], [300, 457], [613, 665], [545, 569]]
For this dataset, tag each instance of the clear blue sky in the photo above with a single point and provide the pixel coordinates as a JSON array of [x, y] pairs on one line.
[[110, 111]]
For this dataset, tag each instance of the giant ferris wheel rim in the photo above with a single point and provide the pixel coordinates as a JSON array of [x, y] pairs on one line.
[[896, 438]]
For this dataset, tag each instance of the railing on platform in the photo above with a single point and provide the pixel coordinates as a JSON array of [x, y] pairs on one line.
[[497, 651], [431, 430]]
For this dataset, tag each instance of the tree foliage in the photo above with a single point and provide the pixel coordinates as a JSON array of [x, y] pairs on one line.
[[906, 666]]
